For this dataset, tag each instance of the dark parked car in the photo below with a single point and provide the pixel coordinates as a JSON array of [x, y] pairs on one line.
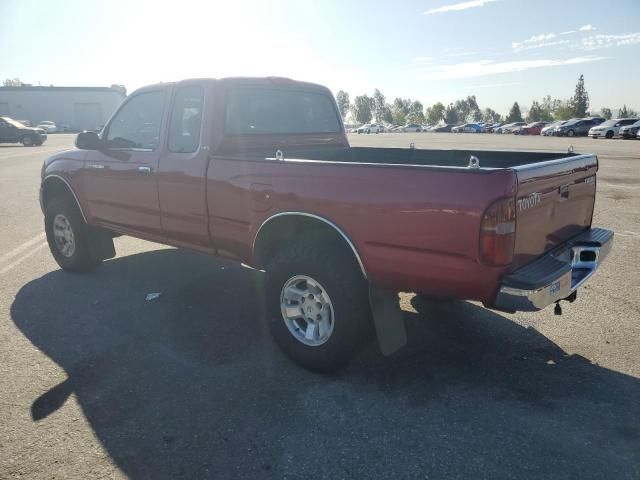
[[12, 131], [630, 131], [442, 128], [577, 127]]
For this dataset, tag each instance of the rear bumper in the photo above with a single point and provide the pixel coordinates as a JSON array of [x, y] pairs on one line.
[[555, 275]]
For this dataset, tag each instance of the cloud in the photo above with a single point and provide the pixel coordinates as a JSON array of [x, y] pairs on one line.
[[587, 28], [596, 42], [491, 85], [459, 6], [422, 60], [488, 67], [533, 41]]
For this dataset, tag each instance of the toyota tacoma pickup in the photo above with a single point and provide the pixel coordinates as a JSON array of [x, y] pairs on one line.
[[260, 170]]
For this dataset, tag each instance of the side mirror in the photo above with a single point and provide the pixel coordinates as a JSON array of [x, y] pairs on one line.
[[88, 141]]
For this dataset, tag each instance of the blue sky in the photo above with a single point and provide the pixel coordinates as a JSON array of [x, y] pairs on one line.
[[433, 50]]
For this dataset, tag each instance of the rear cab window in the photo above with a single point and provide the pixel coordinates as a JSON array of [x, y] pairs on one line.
[[270, 110], [186, 119]]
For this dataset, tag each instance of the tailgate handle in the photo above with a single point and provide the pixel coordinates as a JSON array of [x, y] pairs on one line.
[[564, 191]]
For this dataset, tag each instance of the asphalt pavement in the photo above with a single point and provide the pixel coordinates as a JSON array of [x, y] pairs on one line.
[[97, 382]]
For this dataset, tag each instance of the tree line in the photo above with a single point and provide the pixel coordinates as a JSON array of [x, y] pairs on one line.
[[401, 111]]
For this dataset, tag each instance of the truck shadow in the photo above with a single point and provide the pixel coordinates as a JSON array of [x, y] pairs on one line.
[[191, 386]]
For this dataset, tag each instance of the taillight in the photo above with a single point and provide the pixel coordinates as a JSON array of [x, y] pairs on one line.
[[498, 232]]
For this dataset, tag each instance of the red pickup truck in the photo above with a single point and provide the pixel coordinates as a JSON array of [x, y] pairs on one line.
[[260, 170]]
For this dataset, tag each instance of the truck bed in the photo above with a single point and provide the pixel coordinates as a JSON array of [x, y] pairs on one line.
[[488, 159]]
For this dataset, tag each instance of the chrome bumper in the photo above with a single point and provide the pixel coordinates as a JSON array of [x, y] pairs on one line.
[[555, 275]]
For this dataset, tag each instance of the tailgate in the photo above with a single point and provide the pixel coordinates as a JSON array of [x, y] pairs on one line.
[[554, 203]]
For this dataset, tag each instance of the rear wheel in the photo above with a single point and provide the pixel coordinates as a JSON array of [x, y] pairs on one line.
[[68, 237], [317, 303]]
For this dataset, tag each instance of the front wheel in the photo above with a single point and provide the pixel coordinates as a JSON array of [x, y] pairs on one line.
[[317, 303], [570, 133], [609, 135], [67, 236], [27, 141]]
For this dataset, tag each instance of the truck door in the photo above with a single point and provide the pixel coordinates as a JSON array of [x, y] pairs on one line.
[[120, 178], [182, 171]]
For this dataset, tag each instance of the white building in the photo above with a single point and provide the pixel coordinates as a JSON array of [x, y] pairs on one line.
[[81, 108]]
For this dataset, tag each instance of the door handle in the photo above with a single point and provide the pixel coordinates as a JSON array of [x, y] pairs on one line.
[[95, 166], [145, 169]]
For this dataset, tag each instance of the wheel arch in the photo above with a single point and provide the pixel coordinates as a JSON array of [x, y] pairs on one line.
[[54, 185], [283, 225]]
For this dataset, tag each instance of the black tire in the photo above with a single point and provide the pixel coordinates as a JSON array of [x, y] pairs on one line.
[[571, 133], [609, 135], [80, 260], [27, 141], [334, 267]]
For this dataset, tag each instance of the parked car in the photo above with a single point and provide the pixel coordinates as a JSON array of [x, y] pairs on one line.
[[12, 131], [48, 126], [610, 128], [467, 128], [629, 131], [441, 128], [488, 128], [508, 128], [533, 128], [411, 127], [549, 129], [368, 128], [331, 271], [576, 127]]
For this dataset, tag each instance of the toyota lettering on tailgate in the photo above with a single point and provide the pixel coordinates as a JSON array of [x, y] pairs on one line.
[[530, 201]]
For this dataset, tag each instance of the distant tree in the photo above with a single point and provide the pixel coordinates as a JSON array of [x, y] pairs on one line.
[[451, 114], [342, 99], [435, 113], [579, 103], [378, 104], [362, 109], [12, 82], [625, 112], [538, 113], [606, 113], [514, 114], [463, 110], [416, 111], [490, 115], [563, 111], [475, 114], [387, 114], [401, 108]]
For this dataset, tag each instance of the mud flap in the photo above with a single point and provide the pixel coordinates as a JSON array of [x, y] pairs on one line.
[[100, 243], [387, 317]]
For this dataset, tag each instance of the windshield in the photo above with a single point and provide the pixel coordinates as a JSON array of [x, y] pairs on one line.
[[13, 122]]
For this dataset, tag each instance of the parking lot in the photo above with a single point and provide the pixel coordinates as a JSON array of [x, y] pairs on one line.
[[95, 381]]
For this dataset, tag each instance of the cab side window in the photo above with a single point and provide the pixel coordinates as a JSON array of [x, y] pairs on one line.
[[137, 124], [186, 120]]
